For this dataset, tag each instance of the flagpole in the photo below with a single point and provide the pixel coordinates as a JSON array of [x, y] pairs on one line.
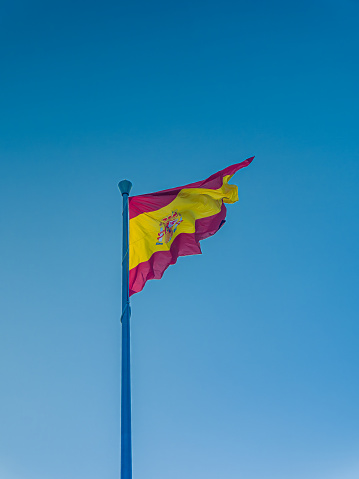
[[126, 442]]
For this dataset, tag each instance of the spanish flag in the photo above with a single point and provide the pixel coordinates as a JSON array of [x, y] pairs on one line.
[[171, 223]]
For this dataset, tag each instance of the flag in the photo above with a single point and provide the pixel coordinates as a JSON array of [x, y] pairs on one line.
[[171, 223]]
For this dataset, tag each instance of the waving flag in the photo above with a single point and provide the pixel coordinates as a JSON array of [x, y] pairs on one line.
[[171, 223]]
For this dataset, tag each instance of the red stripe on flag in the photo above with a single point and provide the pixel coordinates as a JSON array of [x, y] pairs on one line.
[[155, 201]]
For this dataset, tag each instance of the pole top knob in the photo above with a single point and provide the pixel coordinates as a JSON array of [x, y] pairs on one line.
[[125, 187]]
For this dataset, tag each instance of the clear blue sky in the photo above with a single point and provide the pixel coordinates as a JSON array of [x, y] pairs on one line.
[[245, 359]]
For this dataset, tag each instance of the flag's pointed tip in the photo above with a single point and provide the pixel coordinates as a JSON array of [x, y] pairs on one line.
[[246, 162], [240, 165]]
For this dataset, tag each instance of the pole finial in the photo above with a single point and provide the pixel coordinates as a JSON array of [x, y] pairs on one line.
[[125, 187]]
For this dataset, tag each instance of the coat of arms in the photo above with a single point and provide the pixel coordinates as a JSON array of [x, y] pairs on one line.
[[168, 227]]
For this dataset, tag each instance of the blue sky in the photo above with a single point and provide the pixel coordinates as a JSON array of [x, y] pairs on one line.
[[244, 359]]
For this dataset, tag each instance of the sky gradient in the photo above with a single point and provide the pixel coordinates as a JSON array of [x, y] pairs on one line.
[[245, 358]]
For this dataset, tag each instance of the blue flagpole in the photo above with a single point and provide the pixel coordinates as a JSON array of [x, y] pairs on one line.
[[126, 442]]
